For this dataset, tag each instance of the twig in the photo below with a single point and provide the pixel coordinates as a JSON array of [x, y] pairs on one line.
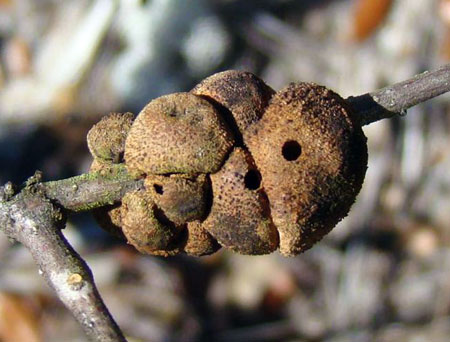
[[396, 99], [34, 221], [91, 190]]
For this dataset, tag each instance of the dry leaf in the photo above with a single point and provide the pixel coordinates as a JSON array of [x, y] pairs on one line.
[[367, 17], [18, 320]]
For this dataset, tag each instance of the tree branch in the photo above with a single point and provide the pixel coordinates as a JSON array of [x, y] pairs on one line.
[[396, 99], [34, 221], [91, 190]]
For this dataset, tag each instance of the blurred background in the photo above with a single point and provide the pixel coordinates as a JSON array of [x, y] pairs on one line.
[[383, 274]]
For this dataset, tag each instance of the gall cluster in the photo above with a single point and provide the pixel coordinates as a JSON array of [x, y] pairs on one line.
[[233, 163]]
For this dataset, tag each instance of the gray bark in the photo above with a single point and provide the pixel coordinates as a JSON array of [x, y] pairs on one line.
[[396, 99], [31, 219]]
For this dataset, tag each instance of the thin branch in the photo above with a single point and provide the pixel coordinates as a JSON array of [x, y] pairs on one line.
[[396, 99], [91, 190], [34, 221]]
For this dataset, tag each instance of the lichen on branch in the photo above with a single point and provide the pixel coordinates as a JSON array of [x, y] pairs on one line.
[[91, 190]]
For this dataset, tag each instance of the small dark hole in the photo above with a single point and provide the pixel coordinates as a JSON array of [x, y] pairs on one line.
[[252, 180], [161, 217], [119, 158], [291, 150], [158, 188]]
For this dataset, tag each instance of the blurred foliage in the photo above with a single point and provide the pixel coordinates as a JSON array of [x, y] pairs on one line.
[[381, 275]]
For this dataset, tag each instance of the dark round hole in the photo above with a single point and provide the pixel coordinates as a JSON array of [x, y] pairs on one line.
[[158, 188], [252, 179], [291, 150]]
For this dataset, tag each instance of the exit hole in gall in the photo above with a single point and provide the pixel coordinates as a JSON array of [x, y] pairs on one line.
[[158, 188], [252, 180], [291, 150]]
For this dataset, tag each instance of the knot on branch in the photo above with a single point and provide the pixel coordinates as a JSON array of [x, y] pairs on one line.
[[233, 163], [26, 214]]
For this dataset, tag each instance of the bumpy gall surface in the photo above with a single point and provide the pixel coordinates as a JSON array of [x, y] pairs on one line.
[[177, 133], [106, 139], [183, 199], [239, 93], [145, 226], [234, 164], [240, 214], [199, 242], [312, 156]]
